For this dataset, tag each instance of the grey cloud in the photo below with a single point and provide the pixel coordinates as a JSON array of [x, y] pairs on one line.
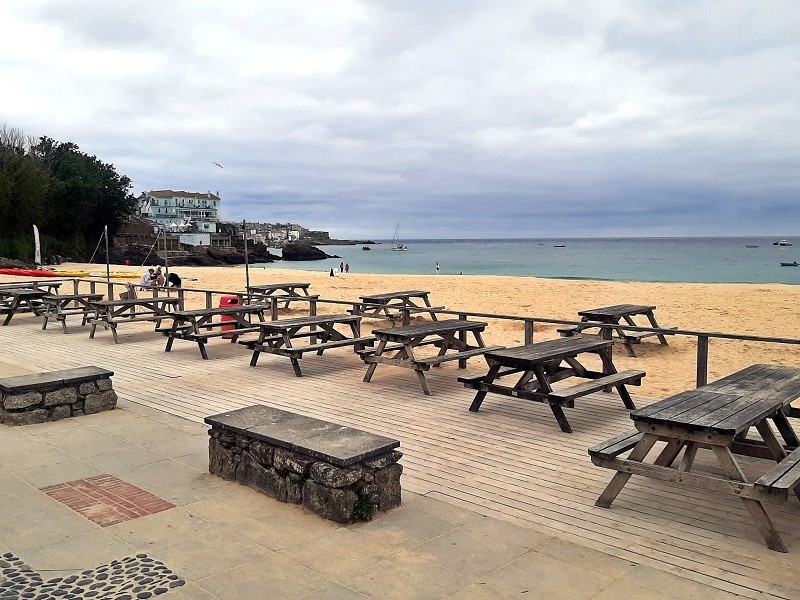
[[474, 118]]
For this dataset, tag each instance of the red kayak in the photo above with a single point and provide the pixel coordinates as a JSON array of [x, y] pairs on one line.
[[30, 273]]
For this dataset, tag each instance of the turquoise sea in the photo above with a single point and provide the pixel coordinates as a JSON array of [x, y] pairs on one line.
[[711, 260]]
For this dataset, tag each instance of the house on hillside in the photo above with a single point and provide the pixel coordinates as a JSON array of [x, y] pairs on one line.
[[192, 215]]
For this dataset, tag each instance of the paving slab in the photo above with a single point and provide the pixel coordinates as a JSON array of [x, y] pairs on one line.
[[272, 576], [544, 576], [469, 551], [324, 554], [409, 576], [228, 541]]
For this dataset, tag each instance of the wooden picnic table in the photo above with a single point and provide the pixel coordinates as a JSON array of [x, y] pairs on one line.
[[51, 287], [109, 313], [539, 365], [197, 325], [390, 304], [14, 300], [284, 291], [276, 337], [65, 305], [612, 315], [718, 417], [447, 335]]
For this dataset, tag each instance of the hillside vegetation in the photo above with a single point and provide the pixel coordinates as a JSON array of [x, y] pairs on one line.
[[68, 194]]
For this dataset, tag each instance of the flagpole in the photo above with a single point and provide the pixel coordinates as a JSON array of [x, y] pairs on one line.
[[246, 261], [108, 267], [166, 256]]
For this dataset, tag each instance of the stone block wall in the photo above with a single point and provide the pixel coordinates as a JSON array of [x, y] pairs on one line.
[[341, 494], [55, 395]]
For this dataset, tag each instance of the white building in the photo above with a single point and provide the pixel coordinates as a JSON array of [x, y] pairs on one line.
[[193, 215]]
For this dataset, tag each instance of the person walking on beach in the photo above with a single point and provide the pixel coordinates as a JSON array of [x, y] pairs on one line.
[[341, 267], [346, 267], [437, 268]]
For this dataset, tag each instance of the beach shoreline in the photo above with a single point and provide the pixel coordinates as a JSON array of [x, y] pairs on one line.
[[767, 310]]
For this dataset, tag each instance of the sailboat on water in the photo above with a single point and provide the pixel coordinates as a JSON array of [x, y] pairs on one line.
[[397, 245]]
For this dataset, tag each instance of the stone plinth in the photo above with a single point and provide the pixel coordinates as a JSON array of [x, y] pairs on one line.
[[55, 395], [337, 472]]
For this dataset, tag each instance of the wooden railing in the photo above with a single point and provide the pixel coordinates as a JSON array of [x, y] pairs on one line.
[[528, 322]]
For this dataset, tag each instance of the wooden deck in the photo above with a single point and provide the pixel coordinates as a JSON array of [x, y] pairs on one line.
[[509, 461]]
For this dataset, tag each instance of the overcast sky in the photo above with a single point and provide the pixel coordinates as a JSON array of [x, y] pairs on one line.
[[456, 118]]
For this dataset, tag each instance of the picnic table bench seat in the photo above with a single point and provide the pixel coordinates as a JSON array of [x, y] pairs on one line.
[[783, 477], [631, 337], [322, 346], [473, 380], [367, 352], [570, 330], [614, 446], [631, 377], [437, 360]]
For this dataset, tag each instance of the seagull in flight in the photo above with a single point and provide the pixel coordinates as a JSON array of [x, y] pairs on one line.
[[216, 163]]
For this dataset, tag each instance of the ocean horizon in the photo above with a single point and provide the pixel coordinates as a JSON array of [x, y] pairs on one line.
[[749, 259]]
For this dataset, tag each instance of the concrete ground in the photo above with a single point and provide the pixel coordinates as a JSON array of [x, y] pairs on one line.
[[224, 540]]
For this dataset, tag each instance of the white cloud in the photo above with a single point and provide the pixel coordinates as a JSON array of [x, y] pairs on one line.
[[424, 108]]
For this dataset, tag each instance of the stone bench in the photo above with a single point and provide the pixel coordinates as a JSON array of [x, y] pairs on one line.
[[336, 472], [41, 397]]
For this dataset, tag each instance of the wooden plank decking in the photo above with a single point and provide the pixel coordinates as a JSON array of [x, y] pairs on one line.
[[509, 461]]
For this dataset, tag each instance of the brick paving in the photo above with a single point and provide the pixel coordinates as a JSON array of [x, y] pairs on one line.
[[106, 499]]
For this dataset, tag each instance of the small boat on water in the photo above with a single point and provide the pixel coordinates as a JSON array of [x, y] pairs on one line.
[[791, 264], [397, 245], [782, 243], [559, 246], [749, 246], [366, 248]]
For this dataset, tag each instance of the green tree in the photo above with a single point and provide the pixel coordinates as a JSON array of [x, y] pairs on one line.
[[70, 195]]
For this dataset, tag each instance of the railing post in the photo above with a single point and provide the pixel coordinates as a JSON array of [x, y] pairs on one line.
[[406, 315], [529, 328], [702, 360], [181, 299], [208, 300], [75, 284], [273, 308], [462, 337]]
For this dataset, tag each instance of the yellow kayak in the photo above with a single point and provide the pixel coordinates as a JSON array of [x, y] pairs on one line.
[[71, 273]]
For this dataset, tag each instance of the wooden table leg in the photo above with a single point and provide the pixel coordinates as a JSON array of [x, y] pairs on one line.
[[774, 446], [639, 452], [12, 308], [652, 318], [489, 378], [545, 388], [786, 430], [373, 365], [754, 507], [669, 453], [422, 381]]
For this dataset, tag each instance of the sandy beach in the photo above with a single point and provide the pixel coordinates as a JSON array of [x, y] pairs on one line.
[[747, 309]]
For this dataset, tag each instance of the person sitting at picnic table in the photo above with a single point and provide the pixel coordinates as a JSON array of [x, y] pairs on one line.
[[174, 280], [159, 278], [147, 277]]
